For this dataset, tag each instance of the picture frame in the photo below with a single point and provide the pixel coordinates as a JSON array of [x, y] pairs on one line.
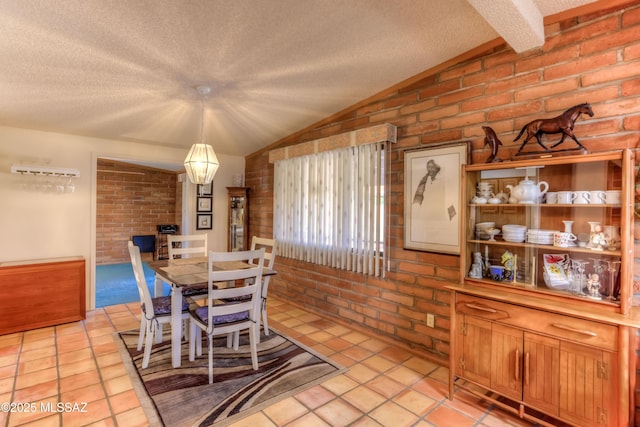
[[204, 222], [205, 189], [204, 204], [432, 197]]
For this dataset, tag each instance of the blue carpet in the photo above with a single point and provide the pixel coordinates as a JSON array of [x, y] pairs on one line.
[[116, 284]]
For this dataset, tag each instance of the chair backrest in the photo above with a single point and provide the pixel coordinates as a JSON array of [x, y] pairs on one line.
[[269, 246], [247, 297], [187, 244], [138, 272]]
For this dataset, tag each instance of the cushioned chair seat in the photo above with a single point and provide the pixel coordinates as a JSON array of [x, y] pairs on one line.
[[201, 313], [189, 291], [162, 305]]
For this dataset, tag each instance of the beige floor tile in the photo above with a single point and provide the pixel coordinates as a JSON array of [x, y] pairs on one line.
[[340, 384], [285, 411], [378, 363], [364, 398], [392, 414], [415, 402], [315, 396], [386, 386], [309, 420], [338, 413], [37, 392], [258, 419], [361, 373], [132, 418], [34, 378], [124, 402]]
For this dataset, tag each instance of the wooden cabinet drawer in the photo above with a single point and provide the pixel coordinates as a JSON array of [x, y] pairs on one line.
[[555, 325]]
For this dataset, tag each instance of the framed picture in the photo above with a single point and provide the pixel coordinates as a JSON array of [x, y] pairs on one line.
[[203, 222], [432, 191], [205, 189], [204, 204]]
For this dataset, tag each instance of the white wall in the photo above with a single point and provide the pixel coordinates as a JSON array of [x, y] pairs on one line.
[[40, 225]]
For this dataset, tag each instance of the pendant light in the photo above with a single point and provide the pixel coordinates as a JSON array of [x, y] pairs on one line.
[[201, 163]]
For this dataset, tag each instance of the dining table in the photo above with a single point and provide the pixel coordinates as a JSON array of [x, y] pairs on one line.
[[181, 273]]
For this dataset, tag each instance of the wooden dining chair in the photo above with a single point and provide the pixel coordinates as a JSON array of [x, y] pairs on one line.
[[269, 246], [181, 245], [155, 311], [187, 244], [218, 317]]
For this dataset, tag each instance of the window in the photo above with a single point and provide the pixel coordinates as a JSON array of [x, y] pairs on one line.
[[329, 208]]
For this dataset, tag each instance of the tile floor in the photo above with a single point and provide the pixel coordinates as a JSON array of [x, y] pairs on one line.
[[79, 362]]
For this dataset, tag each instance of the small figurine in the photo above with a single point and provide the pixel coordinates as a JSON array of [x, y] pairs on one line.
[[593, 285], [491, 139], [561, 124], [597, 240], [477, 266]]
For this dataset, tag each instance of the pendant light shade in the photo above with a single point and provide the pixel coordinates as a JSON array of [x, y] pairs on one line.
[[201, 163]]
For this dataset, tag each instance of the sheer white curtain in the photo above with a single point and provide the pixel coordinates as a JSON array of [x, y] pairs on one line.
[[329, 208]]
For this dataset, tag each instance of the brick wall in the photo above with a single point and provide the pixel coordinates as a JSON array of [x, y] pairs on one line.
[[132, 200], [594, 58]]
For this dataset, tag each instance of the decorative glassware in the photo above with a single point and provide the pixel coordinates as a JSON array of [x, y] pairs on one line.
[[578, 267], [613, 268]]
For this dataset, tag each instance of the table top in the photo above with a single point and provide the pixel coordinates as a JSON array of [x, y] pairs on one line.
[[193, 271]]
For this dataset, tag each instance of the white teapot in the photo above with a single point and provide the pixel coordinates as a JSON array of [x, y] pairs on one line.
[[528, 191]]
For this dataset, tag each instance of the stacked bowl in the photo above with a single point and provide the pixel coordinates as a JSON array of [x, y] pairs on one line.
[[540, 237], [481, 230], [514, 233]]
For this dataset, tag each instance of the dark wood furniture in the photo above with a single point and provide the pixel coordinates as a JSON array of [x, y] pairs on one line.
[[238, 224]]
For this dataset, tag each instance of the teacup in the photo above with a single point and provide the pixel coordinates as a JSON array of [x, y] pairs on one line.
[[613, 197], [496, 272], [551, 197], [563, 239], [566, 197], [582, 197], [597, 197]]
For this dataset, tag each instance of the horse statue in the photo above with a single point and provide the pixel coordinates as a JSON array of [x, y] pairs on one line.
[[560, 124], [491, 139]]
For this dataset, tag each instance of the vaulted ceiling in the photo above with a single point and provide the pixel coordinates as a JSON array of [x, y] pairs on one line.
[[127, 70]]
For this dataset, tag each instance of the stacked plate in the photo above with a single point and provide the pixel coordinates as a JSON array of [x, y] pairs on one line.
[[514, 232], [540, 237], [481, 230]]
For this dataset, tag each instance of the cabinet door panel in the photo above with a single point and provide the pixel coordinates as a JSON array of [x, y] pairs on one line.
[[506, 361], [587, 396], [541, 373], [474, 338]]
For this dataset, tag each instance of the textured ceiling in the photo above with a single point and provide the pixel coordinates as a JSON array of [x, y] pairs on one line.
[[127, 70]]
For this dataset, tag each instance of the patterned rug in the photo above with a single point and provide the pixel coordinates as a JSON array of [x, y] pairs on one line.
[[184, 397]]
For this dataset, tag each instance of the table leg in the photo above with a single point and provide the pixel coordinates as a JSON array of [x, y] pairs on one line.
[[176, 325], [158, 286]]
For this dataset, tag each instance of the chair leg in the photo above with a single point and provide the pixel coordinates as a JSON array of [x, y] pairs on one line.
[[158, 333], [192, 341], [143, 328], [210, 339], [264, 319], [254, 332], [150, 332]]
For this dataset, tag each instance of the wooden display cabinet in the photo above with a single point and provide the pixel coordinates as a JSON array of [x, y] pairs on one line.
[[553, 341], [238, 223]]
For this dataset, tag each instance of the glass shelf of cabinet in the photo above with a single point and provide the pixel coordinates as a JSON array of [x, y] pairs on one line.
[[573, 247]]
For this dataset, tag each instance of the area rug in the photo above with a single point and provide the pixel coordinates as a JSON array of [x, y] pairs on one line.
[[184, 397]]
